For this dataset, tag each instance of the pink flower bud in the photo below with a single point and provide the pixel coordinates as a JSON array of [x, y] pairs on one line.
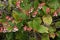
[[41, 5], [29, 29], [7, 17], [18, 4], [1, 29], [10, 19], [55, 14], [5, 30], [25, 28], [47, 10], [31, 10], [15, 29], [34, 14]]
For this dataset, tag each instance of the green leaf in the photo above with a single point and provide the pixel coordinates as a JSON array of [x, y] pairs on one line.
[[15, 15], [1, 5], [52, 11], [53, 4], [43, 29], [36, 4], [30, 24], [52, 29], [58, 33], [25, 5], [22, 5], [2, 20], [41, 13], [11, 24], [14, 2], [9, 28], [21, 35], [35, 24], [45, 37], [9, 36], [23, 16], [57, 24], [10, 3], [59, 14], [18, 15], [38, 20], [25, 1], [32, 38], [19, 25], [44, 9], [47, 19]]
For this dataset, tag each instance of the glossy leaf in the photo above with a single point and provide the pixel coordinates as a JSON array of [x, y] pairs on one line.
[[47, 19], [43, 29]]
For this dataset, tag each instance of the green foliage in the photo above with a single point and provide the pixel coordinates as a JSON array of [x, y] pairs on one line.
[[54, 4], [52, 29], [47, 19], [57, 24], [35, 24], [29, 19], [45, 37], [36, 4], [43, 29], [9, 36]]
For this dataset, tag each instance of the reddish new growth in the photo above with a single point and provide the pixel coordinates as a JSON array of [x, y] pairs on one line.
[[15, 29], [29, 11], [41, 5], [58, 10], [5, 30], [9, 18], [47, 10], [27, 28], [18, 4], [35, 13], [55, 13]]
